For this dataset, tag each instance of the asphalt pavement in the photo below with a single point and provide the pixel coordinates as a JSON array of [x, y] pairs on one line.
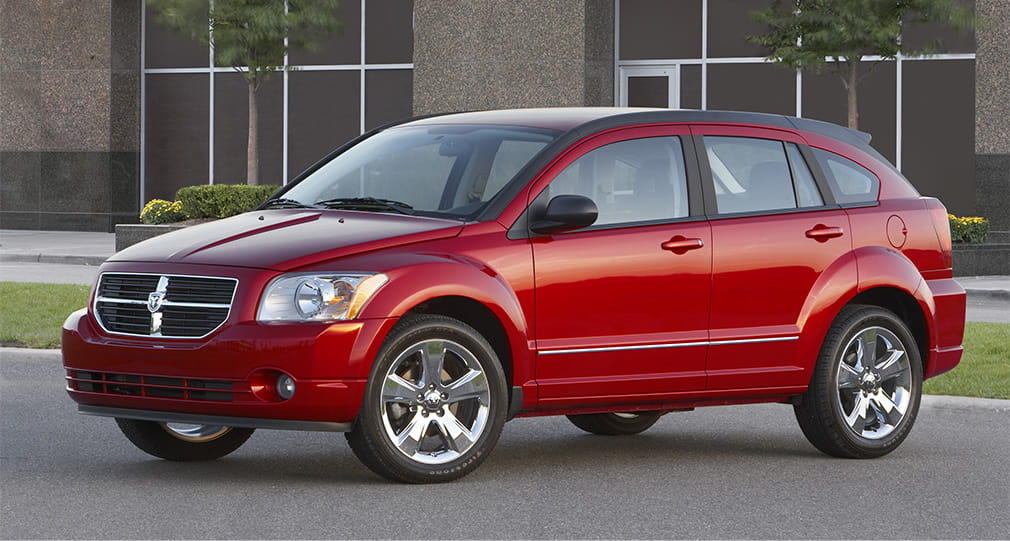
[[728, 472]]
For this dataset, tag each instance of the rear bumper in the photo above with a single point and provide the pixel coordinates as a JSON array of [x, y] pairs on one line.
[[949, 303]]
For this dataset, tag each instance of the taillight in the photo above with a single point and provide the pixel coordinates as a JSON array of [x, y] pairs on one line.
[[941, 224]]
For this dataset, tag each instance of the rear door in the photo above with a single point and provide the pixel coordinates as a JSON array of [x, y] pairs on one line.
[[773, 235], [621, 306]]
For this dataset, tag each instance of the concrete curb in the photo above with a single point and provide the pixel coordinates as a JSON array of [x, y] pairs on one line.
[[93, 261], [928, 401], [997, 294], [964, 403]]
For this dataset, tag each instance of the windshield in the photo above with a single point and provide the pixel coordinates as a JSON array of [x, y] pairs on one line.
[[449, 171]]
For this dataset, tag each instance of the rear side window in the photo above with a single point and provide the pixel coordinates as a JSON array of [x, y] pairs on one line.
[[849, 181], [754, 175]]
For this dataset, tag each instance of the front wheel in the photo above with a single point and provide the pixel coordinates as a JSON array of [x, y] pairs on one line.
[[615, 424], [434, 405], [865, 392], [183, 442]]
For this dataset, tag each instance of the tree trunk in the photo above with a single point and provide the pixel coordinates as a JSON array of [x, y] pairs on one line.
[[851, 87], [252, 150]]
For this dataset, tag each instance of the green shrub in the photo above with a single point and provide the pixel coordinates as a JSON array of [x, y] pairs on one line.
[[222, 200], [159, 211], [971, 229]]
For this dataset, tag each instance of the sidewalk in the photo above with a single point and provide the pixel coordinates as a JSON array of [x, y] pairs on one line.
[[57, 247], [84, 248]]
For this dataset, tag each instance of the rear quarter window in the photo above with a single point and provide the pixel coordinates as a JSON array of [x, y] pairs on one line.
[[849, 181]]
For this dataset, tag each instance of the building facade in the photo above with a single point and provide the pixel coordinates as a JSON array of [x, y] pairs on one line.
[[102, 110]]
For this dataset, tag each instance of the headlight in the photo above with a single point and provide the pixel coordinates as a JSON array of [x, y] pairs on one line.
[[317, 297]]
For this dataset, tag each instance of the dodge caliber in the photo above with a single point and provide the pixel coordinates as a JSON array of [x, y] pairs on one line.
[[434, 278]]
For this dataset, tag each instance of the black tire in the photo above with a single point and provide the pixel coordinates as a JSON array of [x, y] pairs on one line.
[[405, 429], [615, 424], [857, 410], [189, 443]]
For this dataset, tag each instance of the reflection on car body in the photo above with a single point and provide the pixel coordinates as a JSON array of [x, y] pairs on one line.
[[434, 278]]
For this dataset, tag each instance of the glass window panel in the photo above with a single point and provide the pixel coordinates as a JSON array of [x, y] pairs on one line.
[[630, 181], [651, 91], [806, 189], [750, 175], [849, 181]]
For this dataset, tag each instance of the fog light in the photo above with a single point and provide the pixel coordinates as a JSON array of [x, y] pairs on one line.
[[285, 386]]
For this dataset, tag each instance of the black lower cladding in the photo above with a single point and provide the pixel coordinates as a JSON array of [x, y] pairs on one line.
[[154, 386]]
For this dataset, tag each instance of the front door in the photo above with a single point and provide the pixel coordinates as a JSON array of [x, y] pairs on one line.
[[621, 306]]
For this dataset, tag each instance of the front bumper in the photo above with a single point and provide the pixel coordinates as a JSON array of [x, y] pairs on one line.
[[230, 374]]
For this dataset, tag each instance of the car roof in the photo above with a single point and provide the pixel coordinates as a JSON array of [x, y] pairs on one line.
[[590, 119]]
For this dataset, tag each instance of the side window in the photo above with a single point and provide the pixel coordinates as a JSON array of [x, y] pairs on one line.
[[752, 175], [849, 181], [630, 181], [807, 194]]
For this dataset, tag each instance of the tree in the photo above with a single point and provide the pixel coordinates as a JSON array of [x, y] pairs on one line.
[[813, 34], [249, 36]]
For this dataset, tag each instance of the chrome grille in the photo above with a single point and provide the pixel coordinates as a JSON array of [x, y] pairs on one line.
[[163, 305]]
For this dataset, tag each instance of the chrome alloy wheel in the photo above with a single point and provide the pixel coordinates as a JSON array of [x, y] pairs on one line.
[[195, 433], [874, 383], [435, 401]]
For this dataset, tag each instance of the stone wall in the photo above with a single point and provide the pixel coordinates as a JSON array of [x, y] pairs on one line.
[[992, 117], [490, 54], [70, 104]]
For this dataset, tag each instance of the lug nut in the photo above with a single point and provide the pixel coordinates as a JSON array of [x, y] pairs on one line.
[[444, 396]]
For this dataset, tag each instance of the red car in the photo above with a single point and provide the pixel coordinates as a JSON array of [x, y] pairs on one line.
[[432, 279]]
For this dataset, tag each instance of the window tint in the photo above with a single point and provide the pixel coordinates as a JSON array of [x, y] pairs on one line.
[[849, 181], [512, 156], [630, 181], [750, 175], [437, 170], [806, 189]]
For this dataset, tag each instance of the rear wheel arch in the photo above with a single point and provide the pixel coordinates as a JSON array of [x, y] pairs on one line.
[[906, 307]]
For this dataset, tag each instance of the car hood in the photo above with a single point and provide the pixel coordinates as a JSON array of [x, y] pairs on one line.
[[287, 239]]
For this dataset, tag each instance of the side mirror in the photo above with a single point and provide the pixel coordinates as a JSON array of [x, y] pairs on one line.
[[566, 213]]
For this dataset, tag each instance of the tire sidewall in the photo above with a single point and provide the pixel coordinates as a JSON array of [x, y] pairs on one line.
[[861, 320], [407, 333]]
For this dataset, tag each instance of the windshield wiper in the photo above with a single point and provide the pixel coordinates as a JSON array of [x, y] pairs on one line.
[[367, 203], [282, 203]]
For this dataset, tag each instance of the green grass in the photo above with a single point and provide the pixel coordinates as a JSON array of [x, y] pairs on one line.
[[31, 315], [984, 371]]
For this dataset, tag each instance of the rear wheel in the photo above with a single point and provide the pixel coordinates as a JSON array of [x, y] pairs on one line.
[[615, 424], [434, 405], [183, 442], [865, 391]]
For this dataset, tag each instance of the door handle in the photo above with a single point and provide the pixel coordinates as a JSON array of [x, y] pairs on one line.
[[681, 244], [821, 232]]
